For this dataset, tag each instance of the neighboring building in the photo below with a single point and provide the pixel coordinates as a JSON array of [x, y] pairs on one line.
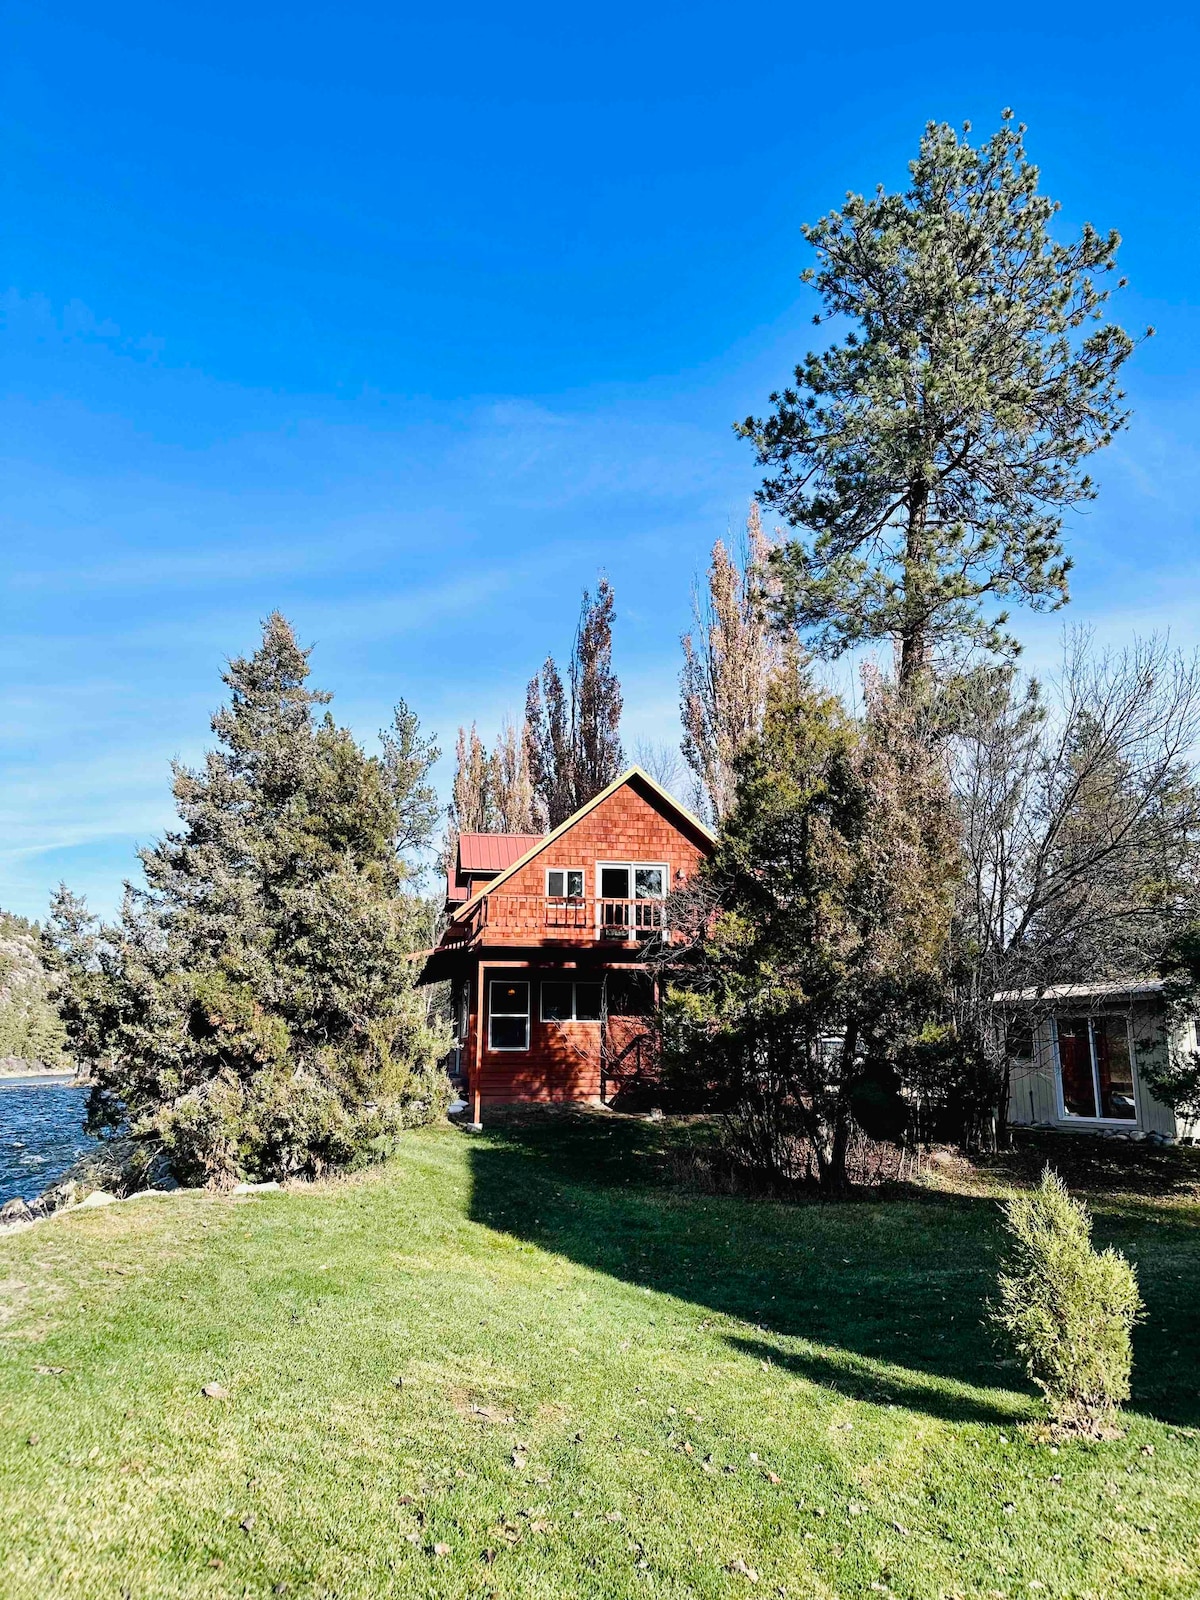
[[546, 942], [1075, 1055]]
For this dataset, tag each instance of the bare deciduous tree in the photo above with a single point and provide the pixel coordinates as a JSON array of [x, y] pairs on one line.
[[492, 793], [572, 733], [661, 761], [728, 661], [511, 781], [1081, 822]]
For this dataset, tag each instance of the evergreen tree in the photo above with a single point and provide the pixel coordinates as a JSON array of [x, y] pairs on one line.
[[572, 732], [815, 936], [253, 1010], [928, 457]]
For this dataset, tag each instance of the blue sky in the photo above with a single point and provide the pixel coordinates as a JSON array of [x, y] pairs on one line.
[[411, 320]]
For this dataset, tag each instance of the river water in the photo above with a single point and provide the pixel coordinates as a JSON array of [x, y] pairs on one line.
[[41, 1133]]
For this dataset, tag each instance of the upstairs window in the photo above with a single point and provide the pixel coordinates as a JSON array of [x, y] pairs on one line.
[[564, 1001], [508, 1014], [631, 896], [564, 883], [632, 880]]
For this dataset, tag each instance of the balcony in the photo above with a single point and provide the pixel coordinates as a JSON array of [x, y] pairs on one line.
[[526, 919]]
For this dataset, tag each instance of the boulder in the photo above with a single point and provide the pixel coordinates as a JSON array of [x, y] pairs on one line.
[[15, 1210]]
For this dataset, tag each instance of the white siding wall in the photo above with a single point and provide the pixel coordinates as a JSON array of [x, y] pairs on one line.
[[1034, 1093]]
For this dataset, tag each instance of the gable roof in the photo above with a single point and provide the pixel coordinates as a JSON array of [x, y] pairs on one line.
[[633, 775]]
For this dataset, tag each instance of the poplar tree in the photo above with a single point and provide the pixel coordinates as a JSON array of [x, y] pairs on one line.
[[729, 660], [927, 458], [493, 793], [572, 731]]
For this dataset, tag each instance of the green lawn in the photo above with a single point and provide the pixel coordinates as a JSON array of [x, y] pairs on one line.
[[609, 1388]]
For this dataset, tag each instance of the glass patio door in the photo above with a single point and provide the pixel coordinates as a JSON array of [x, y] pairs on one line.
[[1095, 1068]]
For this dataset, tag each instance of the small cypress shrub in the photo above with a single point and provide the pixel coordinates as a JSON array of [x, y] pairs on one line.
[[1068, 1308]]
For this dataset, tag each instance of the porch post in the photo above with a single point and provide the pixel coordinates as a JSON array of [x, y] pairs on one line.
[[477, 1052]]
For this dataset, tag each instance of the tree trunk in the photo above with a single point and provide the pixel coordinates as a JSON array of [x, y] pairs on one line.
[[835, 1180], [914, 642]]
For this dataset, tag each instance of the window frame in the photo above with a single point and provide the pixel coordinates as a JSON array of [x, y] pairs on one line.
[[508, 1016], [632, 868], [634, 929], [595, 983], [1097, 1121], [566, 872]]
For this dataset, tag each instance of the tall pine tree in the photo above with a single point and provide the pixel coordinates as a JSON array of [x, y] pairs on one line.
[[927, 458]]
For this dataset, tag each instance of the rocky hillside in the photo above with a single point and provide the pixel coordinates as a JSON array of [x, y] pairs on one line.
[[31, 1034]]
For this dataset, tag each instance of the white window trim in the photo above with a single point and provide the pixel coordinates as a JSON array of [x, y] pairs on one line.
[[631, 867], [1097, 1122], [509, 1049], [574, 983], [630, 899], [582, 871]]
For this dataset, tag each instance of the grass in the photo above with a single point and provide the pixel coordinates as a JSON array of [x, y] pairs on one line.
[[608, 1388]]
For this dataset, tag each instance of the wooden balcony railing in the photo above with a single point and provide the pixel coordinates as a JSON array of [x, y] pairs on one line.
[[543, 919]]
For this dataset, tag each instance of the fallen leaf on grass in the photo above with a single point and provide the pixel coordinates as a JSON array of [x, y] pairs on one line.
[[773, 1477], [35, 1438], [215, 1391], [519, 1461], [247, 1522], [900, 1529], [441, 1549], [740, 1567], [49, 1372], [614, 1516]]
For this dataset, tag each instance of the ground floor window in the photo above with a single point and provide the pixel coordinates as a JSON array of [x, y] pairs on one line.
[[570, 1001], [630, 994], [508, 1014], [1095, 1068]]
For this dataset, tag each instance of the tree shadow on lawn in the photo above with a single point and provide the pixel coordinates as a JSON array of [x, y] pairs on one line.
[[891, 1291]]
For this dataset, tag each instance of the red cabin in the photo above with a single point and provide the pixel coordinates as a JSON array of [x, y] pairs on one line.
[[546, 944]]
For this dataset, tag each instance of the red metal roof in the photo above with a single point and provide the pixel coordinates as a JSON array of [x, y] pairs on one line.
[[492, 852]]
